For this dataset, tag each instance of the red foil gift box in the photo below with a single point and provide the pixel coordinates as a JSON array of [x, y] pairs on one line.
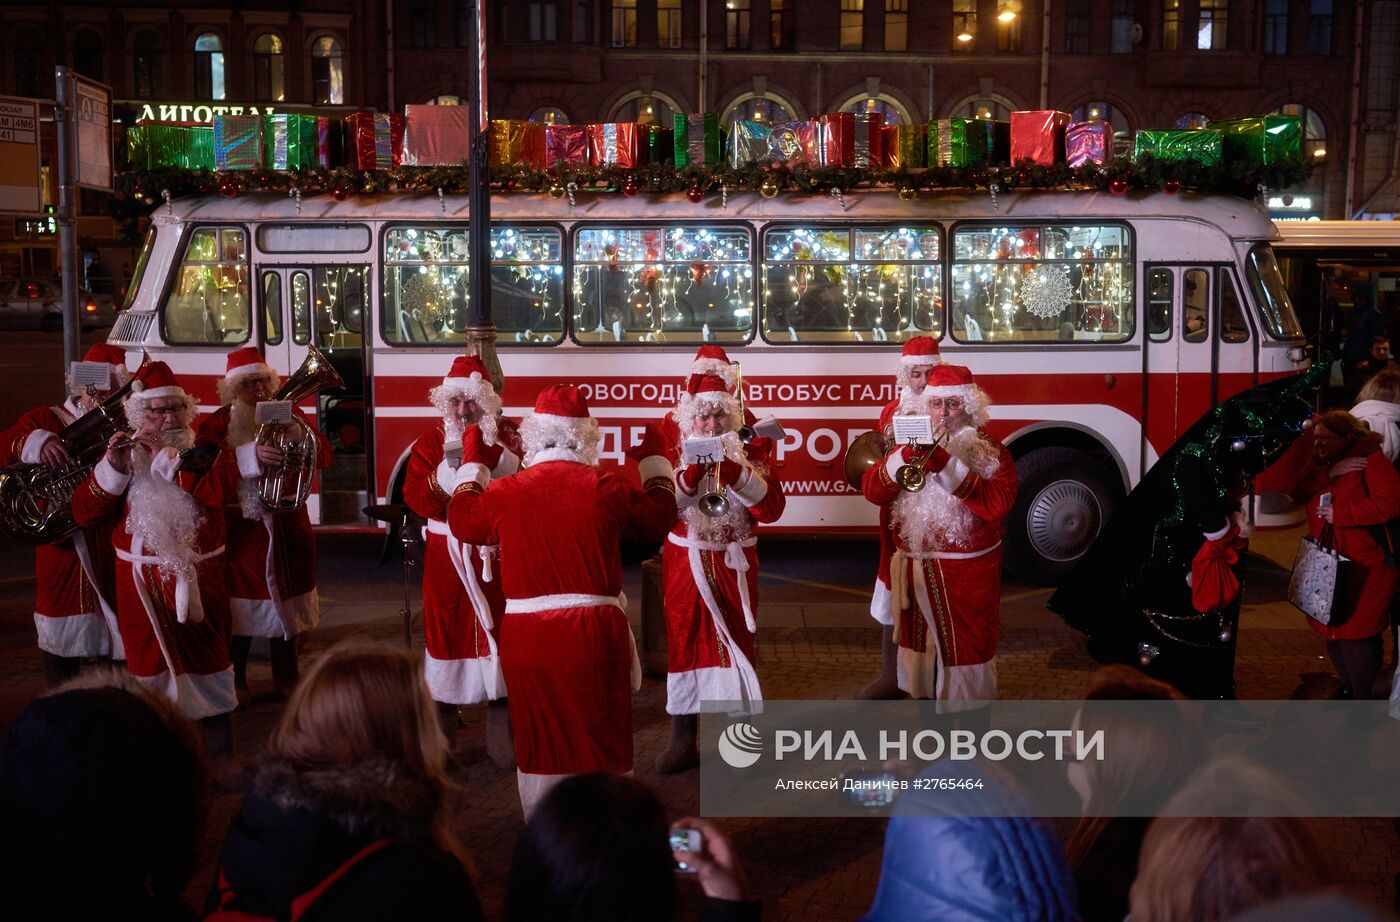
[[1039, 136], [566, 144], [615, 144], [374, 141], [836, 139], [436, 135], [517, 143]]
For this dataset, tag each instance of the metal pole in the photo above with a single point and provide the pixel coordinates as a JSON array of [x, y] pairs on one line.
[[704, 75], [67, 222], [1045, 56], [481, 332]]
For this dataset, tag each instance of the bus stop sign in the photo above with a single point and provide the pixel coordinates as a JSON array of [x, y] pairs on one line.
[[92, 135], [19, 157]]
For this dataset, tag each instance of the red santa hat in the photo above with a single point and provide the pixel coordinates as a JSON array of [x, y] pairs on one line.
[[245, 362], [711, 359], [921, 350], [562, 403], [950, 381], [467, 374], [157, 380], [107, 354]]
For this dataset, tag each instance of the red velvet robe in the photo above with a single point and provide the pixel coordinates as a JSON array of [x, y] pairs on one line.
[[710, 659], [188, 662], [462, 598], [72, 616], [567, 650], [271, 559], [1369, 497], [948, 620]]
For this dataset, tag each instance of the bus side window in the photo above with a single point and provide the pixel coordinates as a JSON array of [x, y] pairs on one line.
[[1159, 305], [1233, 327], [301, 308], [1195, 305], [208, 303], [272, 308]]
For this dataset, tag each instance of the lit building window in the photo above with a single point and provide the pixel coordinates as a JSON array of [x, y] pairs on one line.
[[209, 67], [267, 68], [327, 73]]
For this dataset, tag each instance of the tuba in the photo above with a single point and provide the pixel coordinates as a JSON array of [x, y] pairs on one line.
[[871, 448], [285, 488], [35, 499]]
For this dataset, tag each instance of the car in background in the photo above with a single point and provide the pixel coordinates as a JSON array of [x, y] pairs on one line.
[[37, 304]]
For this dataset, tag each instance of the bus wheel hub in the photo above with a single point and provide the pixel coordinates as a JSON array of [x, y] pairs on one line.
[[1063, 519]]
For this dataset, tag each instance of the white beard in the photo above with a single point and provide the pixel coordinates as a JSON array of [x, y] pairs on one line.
[[933, 519], [162, 515], [242, 423]]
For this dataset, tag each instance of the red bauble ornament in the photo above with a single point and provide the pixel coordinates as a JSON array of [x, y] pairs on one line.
[[696, 194], [228, 188], [630, 186], [1171, 187], [1118, 186], [340, 193], [1022, 178]]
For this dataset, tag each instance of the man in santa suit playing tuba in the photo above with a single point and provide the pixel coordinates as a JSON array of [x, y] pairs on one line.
[[567, 651], [462, 598], [74, 606], [172, 594], [945, 572], [916, 361], [271, 558], [710, 565]]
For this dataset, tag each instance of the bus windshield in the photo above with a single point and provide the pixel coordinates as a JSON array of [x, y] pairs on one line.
[[1272, 294], [135, 281]]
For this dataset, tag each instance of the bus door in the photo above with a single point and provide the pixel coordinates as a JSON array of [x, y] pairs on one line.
[[326, 306], [1200, 347]]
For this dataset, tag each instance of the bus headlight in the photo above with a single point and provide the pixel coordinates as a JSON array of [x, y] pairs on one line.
[[1297, 354]]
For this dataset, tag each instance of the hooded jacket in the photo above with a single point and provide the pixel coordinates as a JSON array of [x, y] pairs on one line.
[[297, 827]]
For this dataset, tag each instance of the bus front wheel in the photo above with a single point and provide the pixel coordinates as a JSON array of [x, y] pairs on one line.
[[1064, 498]]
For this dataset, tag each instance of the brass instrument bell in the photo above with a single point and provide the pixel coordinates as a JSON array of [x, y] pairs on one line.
[[714, 503]]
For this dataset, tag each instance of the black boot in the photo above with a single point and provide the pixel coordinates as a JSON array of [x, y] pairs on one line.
[[681, 753], [885, 687], [59, 669], [284, 666], [500, 744]]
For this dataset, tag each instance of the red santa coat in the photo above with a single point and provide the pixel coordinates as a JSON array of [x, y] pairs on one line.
[[186, 661], [271, 558], [73, 617], [1360, 500], [567, 650], [462, 597], [712, 590], [946, 599]]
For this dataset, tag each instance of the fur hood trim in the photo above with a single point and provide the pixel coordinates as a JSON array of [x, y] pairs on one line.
[[374, 798]]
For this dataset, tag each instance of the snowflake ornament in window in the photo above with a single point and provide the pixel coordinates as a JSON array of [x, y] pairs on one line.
[[1046, 292]]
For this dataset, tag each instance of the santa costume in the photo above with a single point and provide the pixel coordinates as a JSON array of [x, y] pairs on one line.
[[172, 597], [710, 359], [74, 606], [567, 650], [920, 351], [945, 572], [271, 558], [462, 598]]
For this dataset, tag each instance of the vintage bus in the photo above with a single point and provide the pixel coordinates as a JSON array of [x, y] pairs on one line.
[[1101, 325]]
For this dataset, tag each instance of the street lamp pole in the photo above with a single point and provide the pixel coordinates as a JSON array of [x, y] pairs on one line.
[[481, 332]]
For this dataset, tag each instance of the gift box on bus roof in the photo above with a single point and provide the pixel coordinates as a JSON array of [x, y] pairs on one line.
[[906, 146], [373, 140], [697, 139], [238, 142], [615, 144], [436, 135], [1088, 142], [517, 143], [957, 142], [1204, 146], [1261, 139], [998, 141], [160, 145], [290, 142], [659, 144], [1038, 135], [749, 142], [566, 144]]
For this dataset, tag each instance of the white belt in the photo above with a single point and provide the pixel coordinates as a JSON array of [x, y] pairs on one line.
[[188, 606], [485, 551], [457, 553], [950, 555], [539, 603], [734, 559]]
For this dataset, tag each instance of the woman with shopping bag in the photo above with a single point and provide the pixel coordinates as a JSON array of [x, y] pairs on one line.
[[1352, 491]]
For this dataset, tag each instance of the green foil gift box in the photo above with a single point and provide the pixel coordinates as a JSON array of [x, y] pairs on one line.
[[154, 146], [1203, 146], [906, 147], [1262, 139], [290, 142], [956, 142], [998, 141], [697, 140]]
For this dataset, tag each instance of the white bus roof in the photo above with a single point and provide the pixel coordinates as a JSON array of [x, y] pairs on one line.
[[1339, 233], [1240, 218]]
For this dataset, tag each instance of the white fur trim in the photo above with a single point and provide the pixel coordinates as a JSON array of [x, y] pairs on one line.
[[170, 390], [711, 689], [966, 391], [264, 618], [557, 454], [471, 385], [916, 360], [1217, 535], [880, 603], [952, 475], [198, 696], [464, 681], [753, 490], [252, 368], [473, 471], [165, 464], [654, 466], [720, 369], [73, 635], [110, 479], [34, 443], [248, 465], [534, 787], [893, 463], [448, 476], [571, 421], [509, 463]]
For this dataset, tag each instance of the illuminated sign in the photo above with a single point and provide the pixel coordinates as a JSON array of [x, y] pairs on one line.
[[198, 112], [1290, 203]]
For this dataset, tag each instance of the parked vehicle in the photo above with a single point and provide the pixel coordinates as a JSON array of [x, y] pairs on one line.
[[37, 304]]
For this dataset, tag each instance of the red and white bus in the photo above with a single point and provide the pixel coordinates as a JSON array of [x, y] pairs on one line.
[[1101, 325]]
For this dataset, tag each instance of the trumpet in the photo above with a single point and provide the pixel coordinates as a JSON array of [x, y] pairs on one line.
[[714, 503], [871, 448], [910, 476]]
